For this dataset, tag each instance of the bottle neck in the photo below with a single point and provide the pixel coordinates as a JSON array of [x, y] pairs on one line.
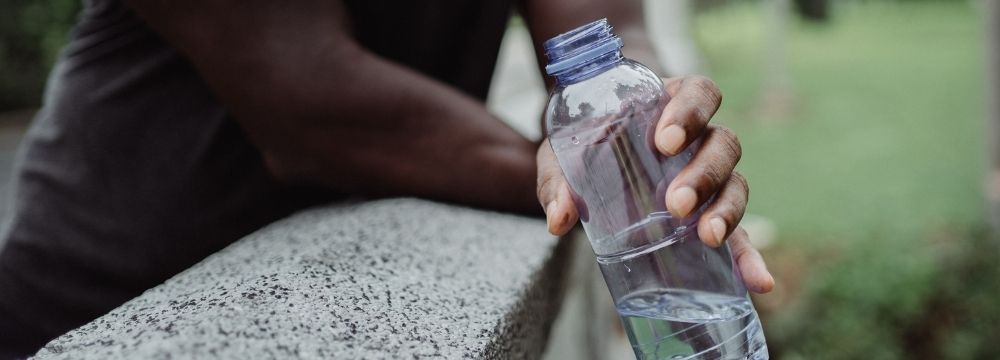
[[590, 69], [583, 52]]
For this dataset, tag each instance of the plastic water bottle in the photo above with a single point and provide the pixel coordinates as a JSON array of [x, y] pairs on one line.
[[678, 298]]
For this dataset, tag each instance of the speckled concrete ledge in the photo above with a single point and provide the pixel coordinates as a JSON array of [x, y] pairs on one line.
[[386, 279]]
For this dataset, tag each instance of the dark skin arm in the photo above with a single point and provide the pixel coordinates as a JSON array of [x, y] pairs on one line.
[[694, 100], [324, 110]]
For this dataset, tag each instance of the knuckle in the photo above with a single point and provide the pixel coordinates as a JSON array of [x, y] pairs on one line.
[[708, 88], [709, 178], [545, 185], [741, 182], [742, 232], [673, 84], [730, 142], [737, 195], [739, 242]]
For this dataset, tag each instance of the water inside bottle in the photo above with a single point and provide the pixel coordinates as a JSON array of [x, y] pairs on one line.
[[685, 324]]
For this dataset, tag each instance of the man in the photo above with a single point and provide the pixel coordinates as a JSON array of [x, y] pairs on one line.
[[170, 130]]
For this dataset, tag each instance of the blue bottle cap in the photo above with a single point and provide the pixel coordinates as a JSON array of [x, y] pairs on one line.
[[580, 45]]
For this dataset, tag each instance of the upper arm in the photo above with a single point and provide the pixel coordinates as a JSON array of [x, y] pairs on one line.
[[214, 28], [274, 65], [248, 50]]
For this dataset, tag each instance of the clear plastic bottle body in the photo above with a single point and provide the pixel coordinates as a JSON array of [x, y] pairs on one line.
[[600, 130], [678, 298]]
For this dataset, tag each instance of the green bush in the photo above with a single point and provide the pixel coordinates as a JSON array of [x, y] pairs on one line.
[[31, 34], [898, 299]]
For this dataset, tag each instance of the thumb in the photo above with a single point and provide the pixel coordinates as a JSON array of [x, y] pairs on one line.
[[553, 192]]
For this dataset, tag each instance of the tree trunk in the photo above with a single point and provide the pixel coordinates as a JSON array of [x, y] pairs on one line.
[[813, 10], [776, 96], [993, 120]]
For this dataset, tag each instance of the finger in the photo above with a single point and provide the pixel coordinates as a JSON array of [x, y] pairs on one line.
[[750, 263], [706, 173], [725, 212], [553, 192], [694, 99]]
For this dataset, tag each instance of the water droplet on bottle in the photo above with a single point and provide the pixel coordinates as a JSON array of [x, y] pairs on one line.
[[627, 269], [575, 140]]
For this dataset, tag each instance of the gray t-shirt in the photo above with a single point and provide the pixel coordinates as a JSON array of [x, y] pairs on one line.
[[133, 171]]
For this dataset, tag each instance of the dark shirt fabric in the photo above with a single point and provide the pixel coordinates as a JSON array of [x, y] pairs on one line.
[[133, 171]]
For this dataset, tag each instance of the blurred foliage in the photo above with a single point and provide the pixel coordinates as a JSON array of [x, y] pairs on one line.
[[869, 160], [31, 34], [901, 299]]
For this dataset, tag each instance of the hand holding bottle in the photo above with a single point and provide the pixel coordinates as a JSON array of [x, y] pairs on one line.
[[694, 100]]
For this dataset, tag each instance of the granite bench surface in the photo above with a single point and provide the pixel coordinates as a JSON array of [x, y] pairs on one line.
[[385, 279]]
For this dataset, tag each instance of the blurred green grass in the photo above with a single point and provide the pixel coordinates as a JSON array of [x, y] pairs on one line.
[[885, 131], [871, 167]]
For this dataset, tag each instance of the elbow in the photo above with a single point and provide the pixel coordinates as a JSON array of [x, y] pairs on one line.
[[288, 169]]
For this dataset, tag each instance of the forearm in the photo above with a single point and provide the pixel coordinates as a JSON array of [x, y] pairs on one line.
[[324, 110], [385, 130]]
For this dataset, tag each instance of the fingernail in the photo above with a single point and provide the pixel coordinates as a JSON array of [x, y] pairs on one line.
[[672, 138], [549, 210], [718, 230], [681, 201]]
